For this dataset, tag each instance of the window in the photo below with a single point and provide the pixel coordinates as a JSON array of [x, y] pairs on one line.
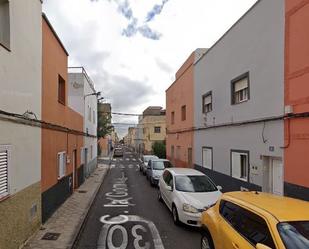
[[144, 130], [168, 178], [207, 102], [157, 129], [178, 152], [5, 23], [61, 164], [183, 113], [173, 118], [61, 90], [4, 170], [207, 157], [240, 164], [240, 89], [250, 225], [94, 117], [91, 152], [89, 113]]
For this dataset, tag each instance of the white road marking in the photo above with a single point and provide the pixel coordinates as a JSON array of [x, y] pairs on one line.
[[108, 230]]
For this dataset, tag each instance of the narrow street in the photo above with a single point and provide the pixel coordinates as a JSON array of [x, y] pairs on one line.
[[127, 214]]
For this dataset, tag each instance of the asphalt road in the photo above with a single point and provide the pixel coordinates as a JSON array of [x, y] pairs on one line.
[[127, 214]]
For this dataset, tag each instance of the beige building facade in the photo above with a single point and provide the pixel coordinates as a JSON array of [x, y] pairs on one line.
[[153, 124]]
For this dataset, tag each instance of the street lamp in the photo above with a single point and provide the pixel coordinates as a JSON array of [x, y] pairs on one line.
[[93, 94]]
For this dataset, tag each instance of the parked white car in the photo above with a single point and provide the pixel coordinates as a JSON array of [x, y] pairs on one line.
[[145, 160], [187, 193]]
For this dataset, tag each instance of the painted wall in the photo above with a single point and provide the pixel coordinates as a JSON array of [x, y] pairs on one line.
[[149, 137], [54, 190], [254, 44], [297, 96], [21, 92], [180, 93], [79, 86]]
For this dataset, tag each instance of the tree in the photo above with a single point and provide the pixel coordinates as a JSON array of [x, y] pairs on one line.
[[104, 125], [159, 149]]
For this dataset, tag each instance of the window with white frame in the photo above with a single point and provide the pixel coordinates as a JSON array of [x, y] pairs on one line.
[[89, 113], [82, 156], [5, 23], [207, 157], [207, 102], [4, 170], [61, 164], [240, 89], [240, 164]]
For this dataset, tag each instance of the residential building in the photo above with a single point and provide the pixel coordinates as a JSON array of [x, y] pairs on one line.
[[239, 103], [154, 127], [138, 139], [296, 174], [20, 139], [83, 99], [62, 141], [104, 114], [180, 114], [131, 137]]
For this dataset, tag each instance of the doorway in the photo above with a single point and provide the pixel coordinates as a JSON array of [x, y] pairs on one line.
[[75, 174], [190, 157], [273, 175]]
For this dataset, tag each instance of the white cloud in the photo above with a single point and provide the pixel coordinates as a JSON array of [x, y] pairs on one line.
[[142, 68]]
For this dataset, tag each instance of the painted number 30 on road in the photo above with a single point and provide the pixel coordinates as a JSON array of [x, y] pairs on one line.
[[129, 232]]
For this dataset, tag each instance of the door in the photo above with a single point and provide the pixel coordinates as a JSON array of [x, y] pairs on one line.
[[277, 177], [190, 157], [75, 178]]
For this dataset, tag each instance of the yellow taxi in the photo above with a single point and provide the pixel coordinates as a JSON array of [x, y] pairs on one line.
[[245, 220]]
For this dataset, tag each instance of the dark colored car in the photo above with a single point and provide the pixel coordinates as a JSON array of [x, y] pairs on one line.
[[118, 152]]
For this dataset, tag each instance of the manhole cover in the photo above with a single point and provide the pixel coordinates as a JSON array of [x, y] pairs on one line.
[[51, 236], [82, 191]]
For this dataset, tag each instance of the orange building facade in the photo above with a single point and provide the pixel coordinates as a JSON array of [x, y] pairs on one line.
[[61, 144], [180, 114], [296, 179]]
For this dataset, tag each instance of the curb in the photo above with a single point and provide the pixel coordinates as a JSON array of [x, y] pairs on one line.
[[85, 218]]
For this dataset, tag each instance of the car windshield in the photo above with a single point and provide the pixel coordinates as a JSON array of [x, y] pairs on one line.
[[147, 158], [161, 165], [194, 184], [295, 235]]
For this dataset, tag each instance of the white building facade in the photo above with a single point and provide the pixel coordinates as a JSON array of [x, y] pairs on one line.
[[239, 94], [20, 138], [83, 98]]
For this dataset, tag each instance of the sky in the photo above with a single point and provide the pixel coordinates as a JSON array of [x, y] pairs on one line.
[[132, 49]]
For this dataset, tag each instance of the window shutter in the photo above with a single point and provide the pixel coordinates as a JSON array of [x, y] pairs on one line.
[[207, 158], [4, 174], [236, 164], [207, 100], [242, 84]]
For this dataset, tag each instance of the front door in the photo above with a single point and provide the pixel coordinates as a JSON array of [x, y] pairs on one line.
[[190, 157], [74, 161], [277, 177]]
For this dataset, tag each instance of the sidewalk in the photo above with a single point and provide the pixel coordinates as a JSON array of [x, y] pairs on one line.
[[66, 222]]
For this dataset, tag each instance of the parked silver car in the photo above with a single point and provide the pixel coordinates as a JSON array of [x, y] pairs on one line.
[[145, 160], [155, 169]]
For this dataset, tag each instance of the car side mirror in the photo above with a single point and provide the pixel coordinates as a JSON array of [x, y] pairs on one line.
[[219, 187], [261, 246]]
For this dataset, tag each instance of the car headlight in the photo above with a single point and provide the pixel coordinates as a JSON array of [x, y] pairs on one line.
[[189, 208]]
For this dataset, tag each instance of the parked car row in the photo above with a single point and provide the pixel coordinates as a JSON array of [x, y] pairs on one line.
[[233, 220]]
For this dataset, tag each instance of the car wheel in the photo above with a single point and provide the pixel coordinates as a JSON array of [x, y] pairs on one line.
[[159, 196], [206, 241], [175, 215]]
